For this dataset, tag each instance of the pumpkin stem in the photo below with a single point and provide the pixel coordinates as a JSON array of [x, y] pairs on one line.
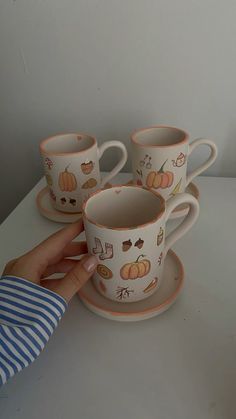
[[143, 256], [67, 167], [162, 167]]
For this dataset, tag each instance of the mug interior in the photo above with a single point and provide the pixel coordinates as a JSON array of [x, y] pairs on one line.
[[124, 207], [67, 143], [159, 136]]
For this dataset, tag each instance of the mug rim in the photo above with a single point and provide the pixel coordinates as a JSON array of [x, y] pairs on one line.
[[133, 134], [160, 213], [52, 153]]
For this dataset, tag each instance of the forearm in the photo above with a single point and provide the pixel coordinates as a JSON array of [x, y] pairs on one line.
[[29, 314]]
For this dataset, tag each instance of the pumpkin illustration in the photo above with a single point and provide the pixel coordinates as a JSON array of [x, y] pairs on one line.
[[67, 181], [159, 179], [137, 269]]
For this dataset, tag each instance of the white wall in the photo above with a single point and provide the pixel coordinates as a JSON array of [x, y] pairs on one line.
[[108, 66]]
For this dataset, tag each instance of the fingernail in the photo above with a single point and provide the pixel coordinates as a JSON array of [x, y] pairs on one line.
[[90, 263]]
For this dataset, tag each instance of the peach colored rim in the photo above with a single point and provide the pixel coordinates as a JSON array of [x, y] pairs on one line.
[[193, 189], [148, 310], [41, 195], [48, 153], [134, 140], [162, 208]]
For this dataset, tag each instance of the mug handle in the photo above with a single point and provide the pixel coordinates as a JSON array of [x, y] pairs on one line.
[[188, 221], [210, 160], [121, 162]]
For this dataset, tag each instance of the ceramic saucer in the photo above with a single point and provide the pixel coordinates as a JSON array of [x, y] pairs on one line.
[[181, 210], [153, 306], [46, 209]]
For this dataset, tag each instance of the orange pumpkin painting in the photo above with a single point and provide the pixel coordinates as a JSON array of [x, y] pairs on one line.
[[136, 269], [160, 179], [67, 181]]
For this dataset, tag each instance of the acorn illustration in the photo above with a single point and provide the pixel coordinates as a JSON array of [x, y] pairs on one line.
[[139, 243], [87, 167], [126, 245]]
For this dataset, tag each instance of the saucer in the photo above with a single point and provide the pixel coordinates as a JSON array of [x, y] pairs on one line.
[[43, 202], [182, 209], [156, 304]]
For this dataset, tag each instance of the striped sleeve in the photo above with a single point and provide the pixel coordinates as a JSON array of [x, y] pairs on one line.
[[29, 314]]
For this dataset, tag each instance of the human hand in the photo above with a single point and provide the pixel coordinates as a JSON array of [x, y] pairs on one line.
[[52, 256]]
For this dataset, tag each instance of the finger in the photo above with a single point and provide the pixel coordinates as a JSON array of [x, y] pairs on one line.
[[8, 267], [51, 284], [77, 277], [64, 266], [51, 247], [75, 249]]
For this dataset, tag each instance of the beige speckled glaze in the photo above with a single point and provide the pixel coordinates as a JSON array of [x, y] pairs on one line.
[[71, 165], [125, 228], [159, 159]]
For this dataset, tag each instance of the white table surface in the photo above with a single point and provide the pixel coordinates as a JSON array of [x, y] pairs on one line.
[[180, 365]]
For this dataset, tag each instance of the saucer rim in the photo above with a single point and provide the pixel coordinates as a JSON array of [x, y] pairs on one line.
[[154, 309]]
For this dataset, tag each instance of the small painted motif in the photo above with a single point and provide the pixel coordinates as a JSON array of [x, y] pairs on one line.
[[180, 160], [151, 286], [149, 164], [91, 183], [136, 269], [52, 195], [67, 181], [87, 167], [72, 202], [160, 179], [106, 253], [104, 271], [126, 245], [139, 172], [139, 243], [160, 259], [48, 162], [123, 292], [143, 162], [176, 188], [98, 246], [63, 201], [160, 236]]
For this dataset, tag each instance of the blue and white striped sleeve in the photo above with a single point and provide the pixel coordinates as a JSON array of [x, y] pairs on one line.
[[29, 314]]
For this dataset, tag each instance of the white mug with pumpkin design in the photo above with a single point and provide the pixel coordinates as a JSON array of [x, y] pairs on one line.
[[125, 229], [159, 159], [71, 165]]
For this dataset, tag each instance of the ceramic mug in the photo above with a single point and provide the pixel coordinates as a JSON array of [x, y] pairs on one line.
[[125, 228], [71, 165], [159, 159]]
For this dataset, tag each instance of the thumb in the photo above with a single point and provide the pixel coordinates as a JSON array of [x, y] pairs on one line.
[[77, 277]]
